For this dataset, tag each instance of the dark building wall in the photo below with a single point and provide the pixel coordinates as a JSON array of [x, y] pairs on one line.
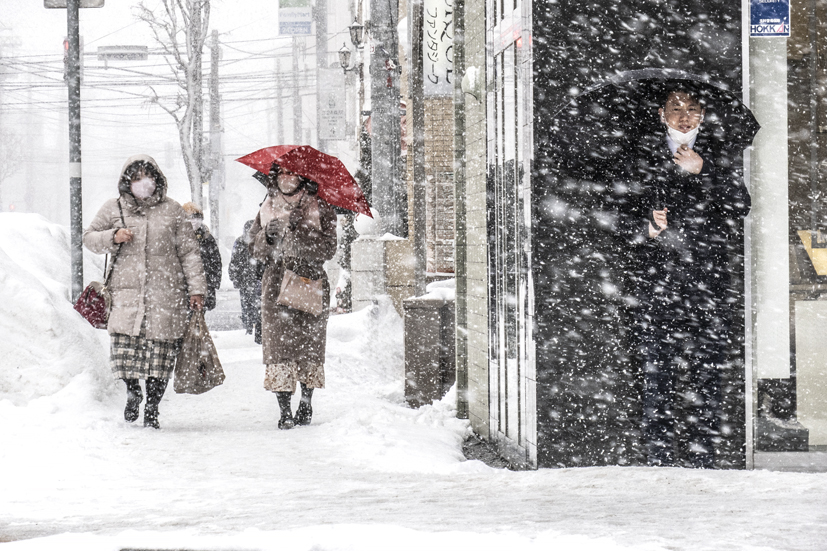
[[588, 391]]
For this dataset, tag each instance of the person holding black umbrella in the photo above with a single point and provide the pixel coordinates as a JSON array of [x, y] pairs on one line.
[[679, 223]]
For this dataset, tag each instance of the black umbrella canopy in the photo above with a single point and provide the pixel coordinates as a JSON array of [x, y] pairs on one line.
[[595, 127]]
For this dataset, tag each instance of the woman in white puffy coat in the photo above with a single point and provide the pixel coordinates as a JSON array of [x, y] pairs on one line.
[[156, 278]]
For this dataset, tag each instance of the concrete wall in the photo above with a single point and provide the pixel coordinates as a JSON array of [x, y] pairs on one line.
[[475, 272]]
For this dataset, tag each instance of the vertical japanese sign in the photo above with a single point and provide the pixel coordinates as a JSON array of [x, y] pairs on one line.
[[295, 17], [332, 109], [769, 18], [437, 45]]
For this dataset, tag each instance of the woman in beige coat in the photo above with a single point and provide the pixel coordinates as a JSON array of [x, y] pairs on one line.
[[156, 277], [294, 230]]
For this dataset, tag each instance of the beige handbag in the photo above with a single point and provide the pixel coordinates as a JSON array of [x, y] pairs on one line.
[[301, 293]]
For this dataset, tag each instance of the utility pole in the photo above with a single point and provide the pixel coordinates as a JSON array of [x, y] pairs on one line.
[[417, 92], [321, 65], [198, 113], [217, 164], [389, 195], [297, 100], [75, 172], [280, 121]]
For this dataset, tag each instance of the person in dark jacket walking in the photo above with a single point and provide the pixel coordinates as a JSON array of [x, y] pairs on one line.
[[679, 224], [210, 255], [245, 273]]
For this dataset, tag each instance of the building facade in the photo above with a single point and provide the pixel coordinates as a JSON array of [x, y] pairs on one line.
[[542, 358]]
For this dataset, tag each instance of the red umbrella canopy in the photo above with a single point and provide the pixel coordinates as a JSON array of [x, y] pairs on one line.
[[336, 185]]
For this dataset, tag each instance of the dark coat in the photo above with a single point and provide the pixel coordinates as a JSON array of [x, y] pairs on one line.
[[682, 285], [288, 334], [245, 271], [703, 212], [211, 259]]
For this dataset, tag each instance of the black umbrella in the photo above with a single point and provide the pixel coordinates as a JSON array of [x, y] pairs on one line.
[[596, 127]]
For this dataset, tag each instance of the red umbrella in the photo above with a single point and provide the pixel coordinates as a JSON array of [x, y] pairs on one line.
[[336, 185]]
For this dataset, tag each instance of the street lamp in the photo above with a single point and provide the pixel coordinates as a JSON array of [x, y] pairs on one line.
[[344, 58], [356, 33]]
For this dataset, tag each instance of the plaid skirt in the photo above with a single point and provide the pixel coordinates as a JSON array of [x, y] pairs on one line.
[[138, 357]]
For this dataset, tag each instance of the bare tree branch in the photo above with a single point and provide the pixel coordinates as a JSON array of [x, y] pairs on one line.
[[181, 30]]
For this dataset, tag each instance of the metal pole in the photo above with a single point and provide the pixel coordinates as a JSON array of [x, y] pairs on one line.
[[815, 209], [198, 115], [75, 172], [217, 164], [418, 119], [297, 100], [321, 65], [280, 119], [460, 222], [388, 193]]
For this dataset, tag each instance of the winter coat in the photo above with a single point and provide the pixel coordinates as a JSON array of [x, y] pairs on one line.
[[703, 211], [288, 334], [211, 259], [154, 274], [244, 271]]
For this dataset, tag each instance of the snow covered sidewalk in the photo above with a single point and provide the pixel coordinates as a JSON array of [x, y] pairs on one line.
[[369, 473]]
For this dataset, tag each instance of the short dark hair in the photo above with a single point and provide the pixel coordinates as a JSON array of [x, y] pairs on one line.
[[682, 87]]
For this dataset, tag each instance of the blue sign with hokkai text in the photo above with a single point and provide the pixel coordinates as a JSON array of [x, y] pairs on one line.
[[769, 18]]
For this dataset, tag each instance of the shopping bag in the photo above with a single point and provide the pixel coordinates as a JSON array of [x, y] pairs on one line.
[[93, 304], [197, 367], [301, 293]]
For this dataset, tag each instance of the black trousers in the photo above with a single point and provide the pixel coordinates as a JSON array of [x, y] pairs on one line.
[[683, 341]]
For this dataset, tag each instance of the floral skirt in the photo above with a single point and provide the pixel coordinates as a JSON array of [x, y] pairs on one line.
[[282, 377]]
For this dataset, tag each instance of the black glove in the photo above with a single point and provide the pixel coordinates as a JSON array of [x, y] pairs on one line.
[[274, 230], [295, 218]]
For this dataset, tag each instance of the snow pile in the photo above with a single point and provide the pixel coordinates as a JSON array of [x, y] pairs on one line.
[[366, 360], [45, 343], [444, 290]]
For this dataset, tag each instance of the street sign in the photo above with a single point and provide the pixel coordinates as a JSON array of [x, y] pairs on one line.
[[123, 53], [332, 109], [62, 4], [437, 45], [769, 18], [295, 17]]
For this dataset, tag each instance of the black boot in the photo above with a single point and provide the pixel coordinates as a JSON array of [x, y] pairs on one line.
[[134, 397], [286, 421], [154, 392], [304, 412]]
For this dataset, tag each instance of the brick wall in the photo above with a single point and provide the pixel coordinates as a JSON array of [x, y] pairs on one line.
[[439, 188]]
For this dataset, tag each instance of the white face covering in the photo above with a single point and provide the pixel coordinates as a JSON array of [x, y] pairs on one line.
[[196, 223], [681, 138], [143, 188], [288, 185]]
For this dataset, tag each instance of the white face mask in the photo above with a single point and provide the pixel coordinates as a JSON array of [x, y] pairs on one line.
[[196, 223], [143, 188], [288, 184], [682, 138]]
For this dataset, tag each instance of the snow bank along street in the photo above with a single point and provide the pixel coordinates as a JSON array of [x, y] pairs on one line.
[[369, 473]]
